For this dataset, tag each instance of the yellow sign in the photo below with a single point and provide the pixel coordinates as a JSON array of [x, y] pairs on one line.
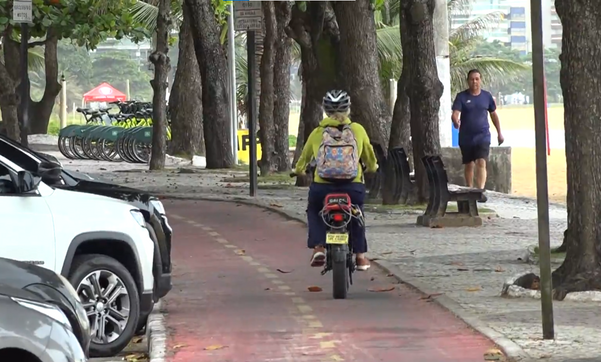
[[244, 147]]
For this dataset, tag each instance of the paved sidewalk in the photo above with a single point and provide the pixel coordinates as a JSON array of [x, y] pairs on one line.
[[241, 279], [467, 265]]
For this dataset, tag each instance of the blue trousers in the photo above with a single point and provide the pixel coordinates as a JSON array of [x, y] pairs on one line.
[[317, 228]]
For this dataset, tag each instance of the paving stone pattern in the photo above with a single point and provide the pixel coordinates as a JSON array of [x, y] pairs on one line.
[[467, 264]]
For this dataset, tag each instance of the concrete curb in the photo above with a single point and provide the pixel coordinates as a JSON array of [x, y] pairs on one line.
[[512, 350], [156, 334]]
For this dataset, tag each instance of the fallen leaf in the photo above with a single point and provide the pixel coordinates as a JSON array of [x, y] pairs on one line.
[[314, 289], [493, 354], [390, 275], [267, 289], [458, 263], [240, 251], [137, 340], [544, 356], [386, 253], [436, 227], [499, 269], [275, 205], [372, 279], [284, 271], [382, 289], [462, 269], [179, 346], [372, 259], [474, 289], [430, 296], [134, 357], [214, 347]]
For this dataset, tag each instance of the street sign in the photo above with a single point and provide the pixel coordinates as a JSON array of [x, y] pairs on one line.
[[248, 16], [22, 11], [248, 24]]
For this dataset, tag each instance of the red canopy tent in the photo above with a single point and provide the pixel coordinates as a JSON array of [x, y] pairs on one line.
[[104, 93]]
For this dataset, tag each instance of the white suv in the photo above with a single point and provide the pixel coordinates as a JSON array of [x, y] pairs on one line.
[[99, 243]]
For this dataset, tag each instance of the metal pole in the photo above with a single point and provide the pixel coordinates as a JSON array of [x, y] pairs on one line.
[[232, 65], [542, 193], [252, 110], [63, 102], [24, 86]]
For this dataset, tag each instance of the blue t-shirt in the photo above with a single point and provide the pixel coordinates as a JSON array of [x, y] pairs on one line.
[[474, 129]]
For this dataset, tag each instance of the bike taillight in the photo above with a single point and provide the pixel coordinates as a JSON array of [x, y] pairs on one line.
[[338, 217]]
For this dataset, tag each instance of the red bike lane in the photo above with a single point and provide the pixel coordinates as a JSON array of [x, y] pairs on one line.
[[241, 293]]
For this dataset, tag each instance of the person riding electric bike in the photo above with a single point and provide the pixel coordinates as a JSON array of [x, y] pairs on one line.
[[327, 146]]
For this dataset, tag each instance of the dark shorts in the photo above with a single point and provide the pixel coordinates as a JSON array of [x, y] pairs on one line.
[[472, 153]]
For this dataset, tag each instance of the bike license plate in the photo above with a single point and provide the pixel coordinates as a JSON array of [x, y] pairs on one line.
[[336, 238]]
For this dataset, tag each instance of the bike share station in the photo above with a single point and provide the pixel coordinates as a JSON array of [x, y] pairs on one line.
[[109, 136]]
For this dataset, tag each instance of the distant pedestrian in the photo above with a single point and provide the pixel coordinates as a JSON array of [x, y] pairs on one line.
[[470, 115]]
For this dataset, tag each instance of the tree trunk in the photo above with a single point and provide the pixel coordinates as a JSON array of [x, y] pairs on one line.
[[185, 100], [9, 101], [580, 74], [266, 103], [281, 83], [40, 111], [425, 88], [400, 129], [316, 32], [212, 62], [160, 59], [360, 67]]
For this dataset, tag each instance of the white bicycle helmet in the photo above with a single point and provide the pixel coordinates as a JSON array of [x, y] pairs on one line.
[[336, 101]]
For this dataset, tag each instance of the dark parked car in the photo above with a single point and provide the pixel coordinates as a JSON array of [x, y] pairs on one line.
[[52, 288], [34, 331], [152, 208]]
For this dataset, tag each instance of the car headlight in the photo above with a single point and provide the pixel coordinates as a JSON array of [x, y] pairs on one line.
[[49, 310], [137, 215], [158, 206]]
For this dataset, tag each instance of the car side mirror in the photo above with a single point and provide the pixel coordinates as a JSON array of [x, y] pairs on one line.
[[50, 172], [25, 182]]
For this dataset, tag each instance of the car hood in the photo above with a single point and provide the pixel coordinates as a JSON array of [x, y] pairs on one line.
[[137, 197], [18, 274]]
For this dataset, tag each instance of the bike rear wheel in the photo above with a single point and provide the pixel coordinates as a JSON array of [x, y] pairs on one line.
[[340, 271]]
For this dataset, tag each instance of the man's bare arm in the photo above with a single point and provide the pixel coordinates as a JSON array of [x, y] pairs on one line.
[[455, 118], [495, 121]]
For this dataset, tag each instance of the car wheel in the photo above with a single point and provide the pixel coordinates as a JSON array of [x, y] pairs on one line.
[[110, 297]]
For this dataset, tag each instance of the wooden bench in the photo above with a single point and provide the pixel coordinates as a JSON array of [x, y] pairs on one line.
[[441, 193]]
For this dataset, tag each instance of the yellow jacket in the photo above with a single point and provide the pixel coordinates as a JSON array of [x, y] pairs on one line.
[[364, 149]]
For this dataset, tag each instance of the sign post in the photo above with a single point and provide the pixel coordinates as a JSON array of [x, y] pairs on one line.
[[542, 191], [22, 13], [248, 17]]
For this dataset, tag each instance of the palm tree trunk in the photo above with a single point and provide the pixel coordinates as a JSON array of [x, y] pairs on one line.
[[160, 59], [425, 88], [281, 74], [212, 60], [266, 104], [185, 101]]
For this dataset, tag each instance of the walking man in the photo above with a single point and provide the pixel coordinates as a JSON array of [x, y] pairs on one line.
[[470, 115]]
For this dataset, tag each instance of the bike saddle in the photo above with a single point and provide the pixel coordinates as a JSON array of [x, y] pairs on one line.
[[83, 110]]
